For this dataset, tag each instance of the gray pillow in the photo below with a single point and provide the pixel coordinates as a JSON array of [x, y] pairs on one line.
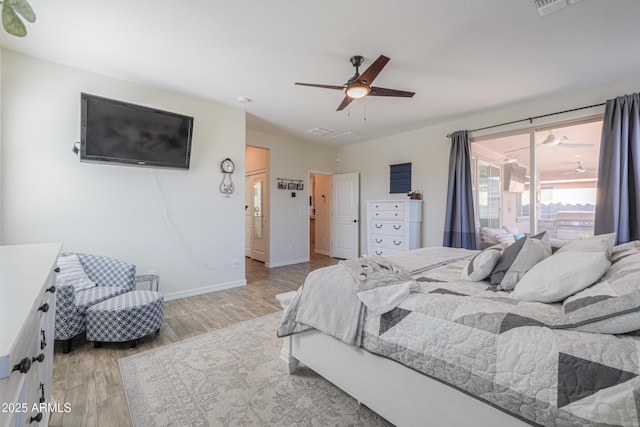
[[519, 258], [481, 265]]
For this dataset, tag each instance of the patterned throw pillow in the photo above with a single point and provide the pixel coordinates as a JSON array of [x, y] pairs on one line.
[[481, 265], [72, 273], [611, 306], [519, 258], [601, 243]]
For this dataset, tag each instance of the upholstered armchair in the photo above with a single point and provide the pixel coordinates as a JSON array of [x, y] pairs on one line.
[[110, 278]]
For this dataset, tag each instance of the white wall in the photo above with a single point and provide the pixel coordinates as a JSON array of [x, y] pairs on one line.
[[428, 149], [175, 222], [289, 216]]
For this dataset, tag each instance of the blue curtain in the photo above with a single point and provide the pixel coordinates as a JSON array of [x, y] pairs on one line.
[[459, 228], [618, 197]]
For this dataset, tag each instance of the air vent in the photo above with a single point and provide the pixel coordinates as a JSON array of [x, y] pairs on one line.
[[348, 137], [546, 7], [319, 131]]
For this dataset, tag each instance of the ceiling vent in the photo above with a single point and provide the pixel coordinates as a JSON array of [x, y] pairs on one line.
[[348, 137], [546, 7], [319, 131]]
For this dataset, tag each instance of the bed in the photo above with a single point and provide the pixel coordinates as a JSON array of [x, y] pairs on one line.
[[423, 346]]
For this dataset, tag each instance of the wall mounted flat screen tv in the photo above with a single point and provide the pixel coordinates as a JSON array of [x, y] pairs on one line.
[[119, 132]]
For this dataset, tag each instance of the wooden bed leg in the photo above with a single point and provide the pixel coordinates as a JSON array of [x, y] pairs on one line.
[[285, 354]]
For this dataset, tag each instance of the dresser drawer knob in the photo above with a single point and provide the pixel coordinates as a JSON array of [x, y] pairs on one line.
[[43, 341], [52, 289], [57, 269], [37, 418], [40, 358], [44, 308], [23, 366], [42, 398]]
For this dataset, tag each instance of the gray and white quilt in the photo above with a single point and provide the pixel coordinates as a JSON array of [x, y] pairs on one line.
[[519, 356]]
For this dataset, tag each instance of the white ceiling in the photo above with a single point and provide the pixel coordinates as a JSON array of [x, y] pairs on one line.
[[459, 56]]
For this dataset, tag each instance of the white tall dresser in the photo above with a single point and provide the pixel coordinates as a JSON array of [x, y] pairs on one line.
[[27, 317], [393, 226]]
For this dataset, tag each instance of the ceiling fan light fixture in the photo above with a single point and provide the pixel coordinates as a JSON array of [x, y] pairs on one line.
[[357, 90]]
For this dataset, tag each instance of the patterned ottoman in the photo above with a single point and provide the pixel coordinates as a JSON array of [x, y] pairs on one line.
[[126, 317]]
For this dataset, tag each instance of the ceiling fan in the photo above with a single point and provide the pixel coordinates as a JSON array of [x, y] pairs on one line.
[[359, 85], [554, 141], [578, 169]]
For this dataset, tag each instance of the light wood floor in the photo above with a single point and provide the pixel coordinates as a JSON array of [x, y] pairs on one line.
[[89, 378]]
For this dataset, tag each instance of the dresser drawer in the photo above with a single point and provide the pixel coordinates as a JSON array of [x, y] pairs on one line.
[[388, 227], [393, 242], [387, 206], [391, 214], [376, 250]]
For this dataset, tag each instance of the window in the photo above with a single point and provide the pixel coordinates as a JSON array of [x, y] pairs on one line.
[[559, 196]]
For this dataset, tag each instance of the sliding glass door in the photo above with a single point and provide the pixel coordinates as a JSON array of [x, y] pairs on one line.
[[538, 180]]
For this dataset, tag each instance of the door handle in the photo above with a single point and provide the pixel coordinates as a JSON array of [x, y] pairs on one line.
[[355, 220]]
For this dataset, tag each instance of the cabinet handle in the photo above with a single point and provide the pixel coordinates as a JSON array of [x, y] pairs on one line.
[[397, 243], [44, 308], [397, 227], [57, 269], [23, 366], [378, 253], [37, 418], [52, 289], [43, 341], [378, 225], [40, 358], [42, 399], [378, 240]]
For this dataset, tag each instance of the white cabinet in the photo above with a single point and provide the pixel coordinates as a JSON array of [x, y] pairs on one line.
[[27, 317], [393, 226]]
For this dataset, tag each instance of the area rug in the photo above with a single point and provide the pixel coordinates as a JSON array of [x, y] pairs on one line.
[[233, 377]]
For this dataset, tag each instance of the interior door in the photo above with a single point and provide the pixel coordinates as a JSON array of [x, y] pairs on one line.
[[345, 224], [248, 217], [258, 221]]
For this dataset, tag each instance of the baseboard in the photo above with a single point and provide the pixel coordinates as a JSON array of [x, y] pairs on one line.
[[205, 290], [321, 252], [286, 262]]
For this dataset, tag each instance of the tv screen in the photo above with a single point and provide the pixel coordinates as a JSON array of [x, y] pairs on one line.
[[119, 132], [514, 178]]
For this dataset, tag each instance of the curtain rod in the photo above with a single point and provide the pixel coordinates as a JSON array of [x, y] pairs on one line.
[[531, 119]]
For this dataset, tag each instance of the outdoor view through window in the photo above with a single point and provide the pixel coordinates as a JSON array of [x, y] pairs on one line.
[[562, 201]]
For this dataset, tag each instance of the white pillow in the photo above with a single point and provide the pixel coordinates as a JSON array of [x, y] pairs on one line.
[[602, 243], [72, 273], [560, 276]]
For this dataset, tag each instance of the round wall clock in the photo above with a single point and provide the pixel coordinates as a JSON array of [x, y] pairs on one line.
[[227, 165]]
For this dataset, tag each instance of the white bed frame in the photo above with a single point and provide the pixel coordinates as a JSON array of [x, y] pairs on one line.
[[400, 394]]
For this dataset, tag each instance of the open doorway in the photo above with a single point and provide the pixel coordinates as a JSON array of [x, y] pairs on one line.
[[256, 206], [319, 214]]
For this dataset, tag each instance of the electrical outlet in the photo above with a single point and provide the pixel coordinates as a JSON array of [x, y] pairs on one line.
[[234, 263]]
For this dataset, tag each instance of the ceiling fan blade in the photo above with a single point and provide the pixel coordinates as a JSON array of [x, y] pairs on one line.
[[516, 149], [562, 144], [346, 101], [374, 69], [321, 86], [381, 91]]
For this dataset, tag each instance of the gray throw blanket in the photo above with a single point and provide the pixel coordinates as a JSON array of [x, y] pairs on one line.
[[331, 298]]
